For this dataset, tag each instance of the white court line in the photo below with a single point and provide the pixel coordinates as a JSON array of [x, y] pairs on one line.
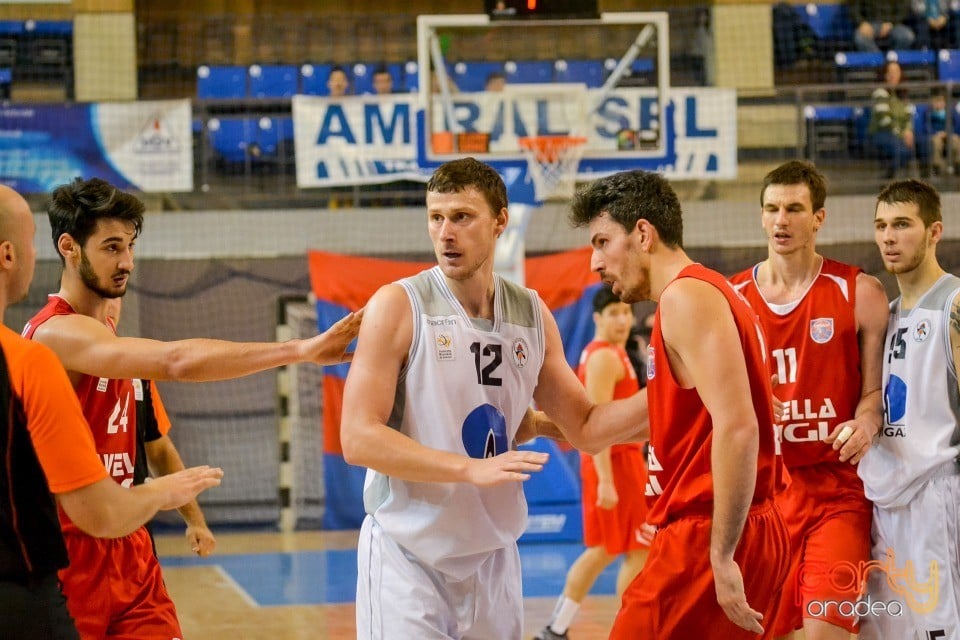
[[236, 586]]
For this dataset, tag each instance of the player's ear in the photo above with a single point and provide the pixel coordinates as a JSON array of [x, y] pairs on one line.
[[8, 254], [67, 246]]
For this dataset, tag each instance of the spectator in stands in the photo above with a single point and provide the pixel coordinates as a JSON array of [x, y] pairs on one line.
[[891, 121], [934, 24], [880, 24], [382, 80], [944, 145], [496, 81], [338, 82]]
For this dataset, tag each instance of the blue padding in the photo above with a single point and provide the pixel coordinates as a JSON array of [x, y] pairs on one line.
[[313, 79], [222, 81], [850, 59], [554, 523], [344, 500], [588, 72], [273, 80], [557, 482], [531, 71]]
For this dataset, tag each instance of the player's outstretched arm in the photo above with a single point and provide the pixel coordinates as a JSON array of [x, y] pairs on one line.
[[853, 438], [705, 352], [587, 426], [385, 338], [86, 345], [106, 510]]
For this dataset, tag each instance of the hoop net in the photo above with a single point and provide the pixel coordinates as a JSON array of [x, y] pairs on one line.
[[552, 163]]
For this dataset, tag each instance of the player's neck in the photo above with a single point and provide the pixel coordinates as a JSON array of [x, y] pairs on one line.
[[914, 284], [475, 294], [784, 278], [81, 299], [665, 267]]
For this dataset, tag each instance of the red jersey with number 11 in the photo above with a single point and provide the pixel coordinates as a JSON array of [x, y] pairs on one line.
[[681, 430], [109, 407]]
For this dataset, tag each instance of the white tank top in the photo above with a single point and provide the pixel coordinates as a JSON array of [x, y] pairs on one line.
[[464, 389], [921, 427]]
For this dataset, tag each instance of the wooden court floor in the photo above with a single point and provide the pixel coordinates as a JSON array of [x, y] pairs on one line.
[[211, 607]]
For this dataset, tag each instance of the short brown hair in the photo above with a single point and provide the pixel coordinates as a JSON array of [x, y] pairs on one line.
[[798, 172], [457, 175], [913, 191]]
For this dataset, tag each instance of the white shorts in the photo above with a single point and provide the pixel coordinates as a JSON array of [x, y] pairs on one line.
[[399, 597], [923, 536]]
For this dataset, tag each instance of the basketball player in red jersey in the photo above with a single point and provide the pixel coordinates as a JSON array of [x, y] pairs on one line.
[[720, 554], [825, 324], [114, 587]]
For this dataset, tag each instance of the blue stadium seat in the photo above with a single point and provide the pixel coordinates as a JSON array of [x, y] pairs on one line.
[[6, 79], [313, 79], [528, 71], [221, 81], [858, 66], [363, 76], [411, 76], [948, 65], [273, 80], [831, 22], [62, 28], [273, 137], [588, 72], [231, 137], [471, 76], [832, 130], [920, 123]]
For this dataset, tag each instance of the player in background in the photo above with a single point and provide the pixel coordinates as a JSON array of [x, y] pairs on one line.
[[720, 555], [156, 451], [911, 473], [824, 323], [114, 587], [614, 506], [48, 459]]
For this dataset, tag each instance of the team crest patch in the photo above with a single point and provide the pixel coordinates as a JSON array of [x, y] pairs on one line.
[[651, 363], [821, 330], [922, 331], [520, 352], [444, 347]]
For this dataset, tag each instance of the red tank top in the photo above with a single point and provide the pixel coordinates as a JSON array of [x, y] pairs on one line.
[[681, 430], [624, 388], [108, 405], [816, 354]]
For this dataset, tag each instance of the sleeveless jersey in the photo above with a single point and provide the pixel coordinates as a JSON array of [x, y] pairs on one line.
[[815, 353], [109, 407], [624, 388], [464, 389], [921, 424], [681, 430]]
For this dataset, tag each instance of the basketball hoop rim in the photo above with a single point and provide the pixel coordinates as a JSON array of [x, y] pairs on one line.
[[549, 148]]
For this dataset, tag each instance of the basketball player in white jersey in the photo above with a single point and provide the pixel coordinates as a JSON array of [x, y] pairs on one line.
[[911, 473], [438, 393]]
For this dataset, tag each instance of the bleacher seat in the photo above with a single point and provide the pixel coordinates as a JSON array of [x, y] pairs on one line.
[[231, 137], [835, 130], [6, 79], [471, 76], [858, 66], [948, 65], [411, 76], [363, 76], [588, 72], [917, 66], [273, 138], [273, 80], [831, 22], [313, 79], [221, 81], [528, 71]]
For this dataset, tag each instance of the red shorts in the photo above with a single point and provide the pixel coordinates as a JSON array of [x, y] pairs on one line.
[[114, 588], [674, 597], [829, 522], [616, 529]]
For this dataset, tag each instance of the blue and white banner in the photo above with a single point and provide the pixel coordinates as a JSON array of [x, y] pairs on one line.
[[147, 146], [372, 139]]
